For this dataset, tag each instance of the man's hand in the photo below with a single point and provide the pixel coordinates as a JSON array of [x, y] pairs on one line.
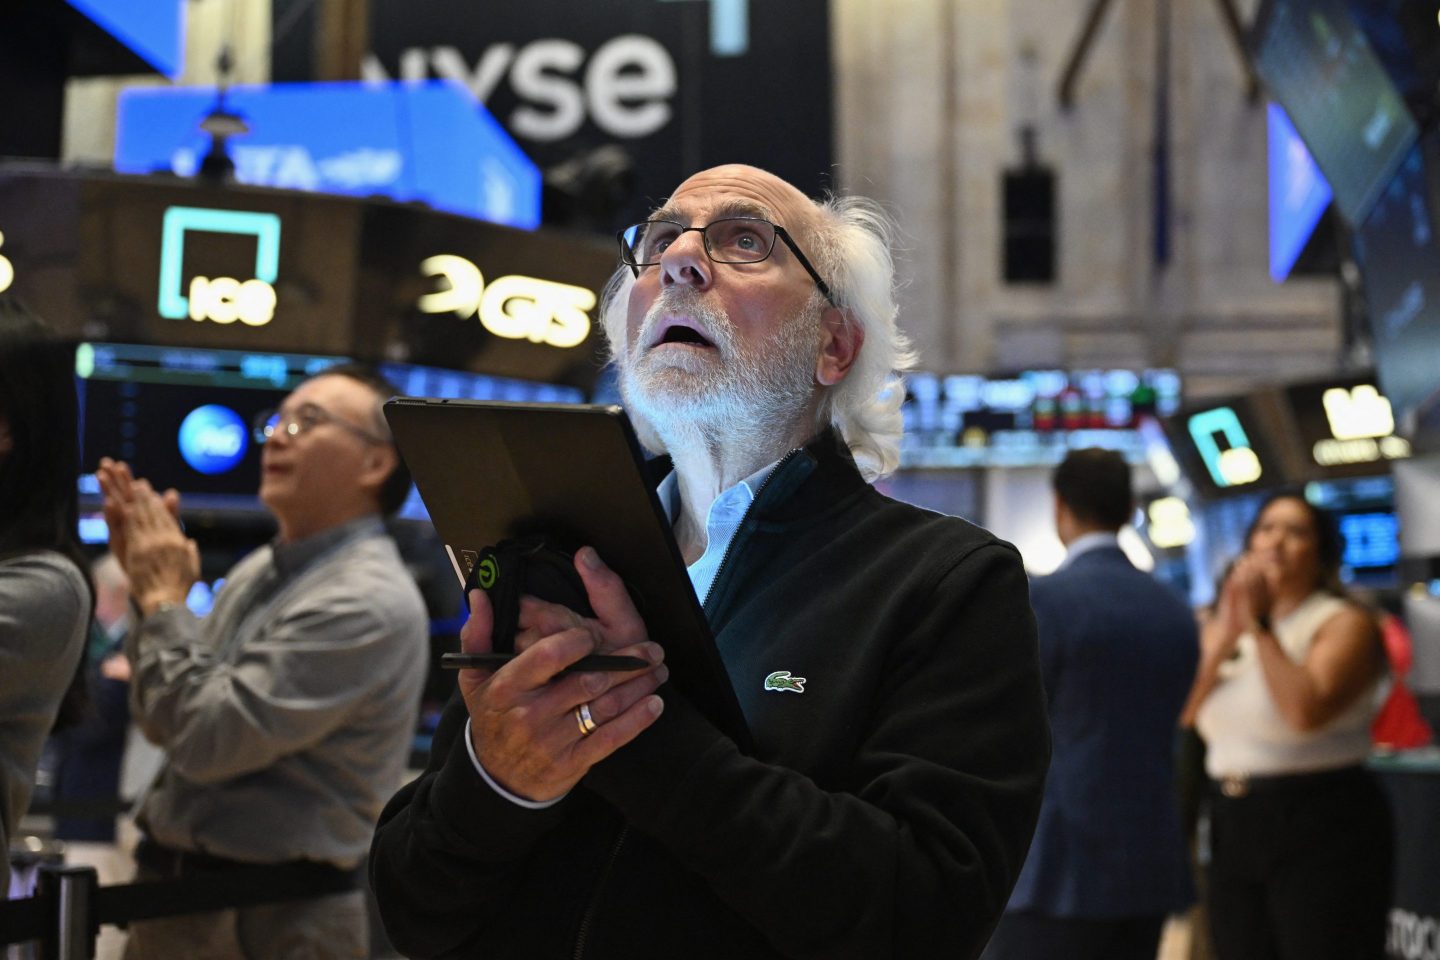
[[523, 722], [163, 564], [118, 486]]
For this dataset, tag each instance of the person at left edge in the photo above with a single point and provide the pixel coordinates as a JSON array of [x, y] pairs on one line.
[[286, 714], [45, 595]]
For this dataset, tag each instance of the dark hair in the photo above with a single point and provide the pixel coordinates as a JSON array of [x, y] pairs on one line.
[[397, 485], [38, 503], [1329, 541], [1095, 485], [38, 509]]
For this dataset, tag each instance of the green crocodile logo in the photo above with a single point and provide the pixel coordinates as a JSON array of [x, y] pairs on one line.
[[489, 569], [781, 680]]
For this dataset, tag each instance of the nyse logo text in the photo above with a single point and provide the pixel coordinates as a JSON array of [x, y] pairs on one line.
[[626, 88]]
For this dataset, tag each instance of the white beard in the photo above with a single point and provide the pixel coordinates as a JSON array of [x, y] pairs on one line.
[[729, 395]]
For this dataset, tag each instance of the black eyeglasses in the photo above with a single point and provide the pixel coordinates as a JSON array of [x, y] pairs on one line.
[[730, 240], [303, 420]]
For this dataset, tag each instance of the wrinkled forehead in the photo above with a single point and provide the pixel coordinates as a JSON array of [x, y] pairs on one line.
[[740, 191]]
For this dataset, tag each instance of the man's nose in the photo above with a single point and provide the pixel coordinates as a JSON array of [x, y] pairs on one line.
[[685, 262]]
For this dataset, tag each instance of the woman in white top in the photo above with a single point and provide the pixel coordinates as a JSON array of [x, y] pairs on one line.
[[1300, 832]]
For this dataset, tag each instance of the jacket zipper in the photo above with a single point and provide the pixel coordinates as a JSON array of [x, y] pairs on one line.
[[594, 904], [589, 916], [730, 547]]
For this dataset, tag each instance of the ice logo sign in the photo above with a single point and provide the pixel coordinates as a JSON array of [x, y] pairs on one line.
[[212, 439], [1236, 464], [219, 299]]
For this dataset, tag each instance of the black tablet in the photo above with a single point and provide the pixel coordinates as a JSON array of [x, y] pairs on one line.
[[488, 471]]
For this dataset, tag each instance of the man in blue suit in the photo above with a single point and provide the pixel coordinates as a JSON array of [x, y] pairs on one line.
[[1118, 651]]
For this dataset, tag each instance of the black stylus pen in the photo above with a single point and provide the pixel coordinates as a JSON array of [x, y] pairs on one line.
[[493, 661]]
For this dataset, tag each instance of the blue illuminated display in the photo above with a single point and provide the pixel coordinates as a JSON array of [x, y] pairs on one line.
[[154, 29], [430, 142], [1299, 194], [1371, 539], [213, 439]]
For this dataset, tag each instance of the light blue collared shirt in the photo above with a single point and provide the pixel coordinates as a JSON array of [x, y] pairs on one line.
[[722, 522]]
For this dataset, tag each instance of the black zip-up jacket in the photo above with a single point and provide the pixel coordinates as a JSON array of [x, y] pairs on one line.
[[886, 810]]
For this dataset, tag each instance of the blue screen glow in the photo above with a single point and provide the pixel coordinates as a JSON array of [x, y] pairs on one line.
[[154, 29], [430, 142], [1371, 539], [1299, 194], [213, 439]]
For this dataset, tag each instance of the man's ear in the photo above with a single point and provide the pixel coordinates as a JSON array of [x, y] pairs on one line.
[[380, 460], [840, 341]]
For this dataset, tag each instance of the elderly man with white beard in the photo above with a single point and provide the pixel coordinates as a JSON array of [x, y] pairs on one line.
[[884, 656]]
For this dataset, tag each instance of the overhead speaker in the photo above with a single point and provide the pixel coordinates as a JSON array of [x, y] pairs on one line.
[[1030, 235]]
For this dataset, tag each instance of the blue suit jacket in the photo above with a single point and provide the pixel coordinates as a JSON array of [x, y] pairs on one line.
[[1118, 650]]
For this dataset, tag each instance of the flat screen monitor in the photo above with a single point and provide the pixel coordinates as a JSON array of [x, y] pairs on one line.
[[1399, 257], [1030, 418], [1320, 66], [1299, 193], [182, 417], [1343, 427], [1223, 448]]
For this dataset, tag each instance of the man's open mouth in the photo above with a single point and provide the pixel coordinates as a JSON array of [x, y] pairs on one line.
[[681, 331]]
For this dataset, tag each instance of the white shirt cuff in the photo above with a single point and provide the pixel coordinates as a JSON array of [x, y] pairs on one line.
[[518, 801]]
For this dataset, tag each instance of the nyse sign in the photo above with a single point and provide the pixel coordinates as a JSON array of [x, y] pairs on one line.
[[626, 89], [515, 307]]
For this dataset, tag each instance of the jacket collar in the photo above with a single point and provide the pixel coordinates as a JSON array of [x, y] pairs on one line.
[[823, 467]]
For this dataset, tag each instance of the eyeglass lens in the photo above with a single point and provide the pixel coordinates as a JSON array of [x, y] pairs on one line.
[[732, 240]]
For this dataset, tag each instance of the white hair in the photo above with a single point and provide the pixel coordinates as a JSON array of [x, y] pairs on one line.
[[853, 237], [850, 247]]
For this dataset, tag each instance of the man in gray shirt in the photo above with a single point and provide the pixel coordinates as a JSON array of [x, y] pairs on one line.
[[286, 714]]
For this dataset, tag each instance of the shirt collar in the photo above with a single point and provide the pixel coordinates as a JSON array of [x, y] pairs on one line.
[[1088, 542], [292, 557], [741, 494]]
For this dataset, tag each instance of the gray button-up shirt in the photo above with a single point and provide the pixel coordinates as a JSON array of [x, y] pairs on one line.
[[287, 714]]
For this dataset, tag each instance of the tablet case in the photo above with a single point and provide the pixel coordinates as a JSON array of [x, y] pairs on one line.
[[490, 471]]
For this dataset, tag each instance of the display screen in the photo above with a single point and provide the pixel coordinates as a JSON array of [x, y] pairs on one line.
[[1344, 426], [1299, 193], [1222, 448], [182, 418], [1372, 539], [1319, 65], [153, 29], [1031, 418], [1399, 257]]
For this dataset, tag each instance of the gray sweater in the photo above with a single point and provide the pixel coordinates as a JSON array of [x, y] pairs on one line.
[[286, 714], [44, 613]]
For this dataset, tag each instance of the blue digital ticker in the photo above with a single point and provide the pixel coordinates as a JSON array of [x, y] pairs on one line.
[[213, 439], [153, 29], [1299, 193], [430, 142], [1371, 539]]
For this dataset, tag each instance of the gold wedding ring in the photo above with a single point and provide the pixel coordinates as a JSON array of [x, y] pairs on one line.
[[586, 722]]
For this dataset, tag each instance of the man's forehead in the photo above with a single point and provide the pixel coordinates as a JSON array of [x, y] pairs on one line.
[[739, 190], [334, 392]]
